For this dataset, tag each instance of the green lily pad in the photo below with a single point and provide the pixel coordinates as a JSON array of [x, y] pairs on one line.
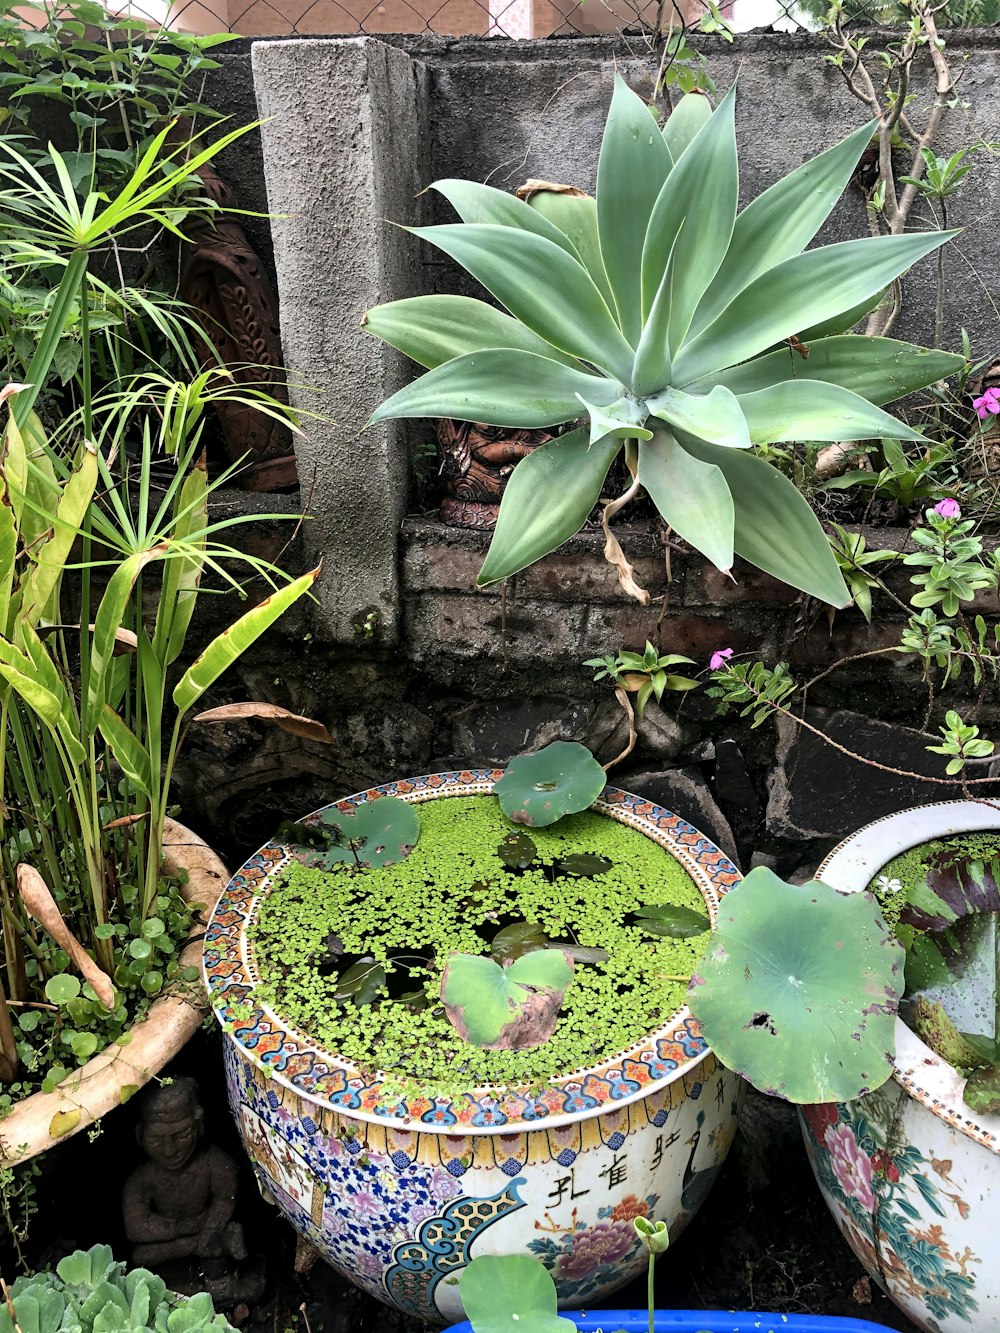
[[503, 1292], [672, 922], [516, 940], [517, 851], [537, 789], [361, 982], [375, 834], [982, 1091], [799, 989], [510, 1008], [584, 865]]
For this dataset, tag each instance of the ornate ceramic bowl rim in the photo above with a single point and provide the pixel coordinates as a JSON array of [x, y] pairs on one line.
[[850, 867], [293, 1059]]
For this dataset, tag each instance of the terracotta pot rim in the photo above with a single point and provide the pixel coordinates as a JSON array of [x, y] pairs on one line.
[[294, 1059], [919, 1070], [95, 1088]]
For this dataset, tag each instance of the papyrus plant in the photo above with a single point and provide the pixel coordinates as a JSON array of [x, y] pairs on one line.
[[683, 331]]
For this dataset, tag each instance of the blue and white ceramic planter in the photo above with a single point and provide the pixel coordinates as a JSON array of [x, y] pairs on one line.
[[400, 1196], [911, 1173]]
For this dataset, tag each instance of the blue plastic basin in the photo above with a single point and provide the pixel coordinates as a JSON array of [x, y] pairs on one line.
[[707, 1321]]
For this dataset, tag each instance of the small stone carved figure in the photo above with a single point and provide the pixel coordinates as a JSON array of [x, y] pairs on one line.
[[179, 1205], [476, 461]]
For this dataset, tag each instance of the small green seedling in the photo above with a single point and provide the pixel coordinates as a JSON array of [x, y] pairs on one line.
[[537, 789], [799, 989]]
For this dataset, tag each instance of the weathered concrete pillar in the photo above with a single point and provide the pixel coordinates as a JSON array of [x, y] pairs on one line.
[[343, 152]]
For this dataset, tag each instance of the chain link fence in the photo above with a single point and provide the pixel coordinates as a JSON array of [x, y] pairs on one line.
[[524, 18]]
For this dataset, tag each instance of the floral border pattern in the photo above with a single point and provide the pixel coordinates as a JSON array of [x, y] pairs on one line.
[[881, 1188], [308, 1069]]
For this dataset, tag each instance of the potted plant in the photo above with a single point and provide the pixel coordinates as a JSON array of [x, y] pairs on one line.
[[499, 1291], [89, 1291], [456, 1021], [908, 1171], [99, 887]]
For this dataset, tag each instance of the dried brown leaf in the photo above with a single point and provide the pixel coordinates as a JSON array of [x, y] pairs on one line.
[[306, 727]]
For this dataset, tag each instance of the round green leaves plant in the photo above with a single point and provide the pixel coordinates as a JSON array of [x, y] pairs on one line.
[[680, 330], [799, 990]]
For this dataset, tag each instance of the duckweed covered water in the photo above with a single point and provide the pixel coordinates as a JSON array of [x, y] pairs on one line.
[[452, 894]]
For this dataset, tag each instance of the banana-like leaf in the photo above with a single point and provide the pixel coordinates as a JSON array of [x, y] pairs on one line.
[[484, 203], [126, 748], [110, 614], [691, 114], [433, 329], [8, 552], [704, 186], [782, 221], [41, 587], [799, 292], [232, 643], [31, 480], [500, 388], [716, 416], [877, 369], [633, 165], [623, 420], [541, 285], [575, 214], [776, 530], [547, 499], [693, 497], [47, 707], [182, 574], [812, 410]]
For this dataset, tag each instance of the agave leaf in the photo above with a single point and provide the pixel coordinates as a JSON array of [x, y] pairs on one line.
[[434, 329], [775, 528], [691, 496], [541, 285], [622, 420], [499, 1291], [688, 117], [501, 388], [876, 369], [560, 779], [703, 185], [782, 1001], [782, 221], [651, 368], [803, 290], [715, 417], [547, 499], [575, 214], [633, 165], [484, 203], [511, 1008], [845, 321], [814, 410]]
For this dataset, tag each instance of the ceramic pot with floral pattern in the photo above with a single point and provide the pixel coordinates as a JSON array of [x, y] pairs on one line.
[[399, 1195], [910, 1173]]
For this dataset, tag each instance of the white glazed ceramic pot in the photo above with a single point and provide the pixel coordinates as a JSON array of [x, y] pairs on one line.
[[399, 1197], [910, 1172]]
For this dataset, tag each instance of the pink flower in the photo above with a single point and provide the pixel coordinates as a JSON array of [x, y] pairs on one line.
[[607, 1243], [851, 1166], [949, 508], [988, 404], [720, 658]]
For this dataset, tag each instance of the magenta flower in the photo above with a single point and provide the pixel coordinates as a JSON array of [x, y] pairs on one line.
[[851, 1166], [988, 404], [720, 658], [948, 508]]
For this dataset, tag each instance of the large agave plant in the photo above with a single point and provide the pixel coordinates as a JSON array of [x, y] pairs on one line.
[[683, 331]]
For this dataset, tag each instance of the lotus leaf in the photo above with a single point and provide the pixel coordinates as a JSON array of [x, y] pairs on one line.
[[517, 851], [505, 1008], [537, 789], [672, 921], [799, 990], [501, 1291], [374, 834]]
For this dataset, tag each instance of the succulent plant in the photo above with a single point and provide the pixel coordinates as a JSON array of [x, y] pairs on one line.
[[683, 331], [90, 1292]]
